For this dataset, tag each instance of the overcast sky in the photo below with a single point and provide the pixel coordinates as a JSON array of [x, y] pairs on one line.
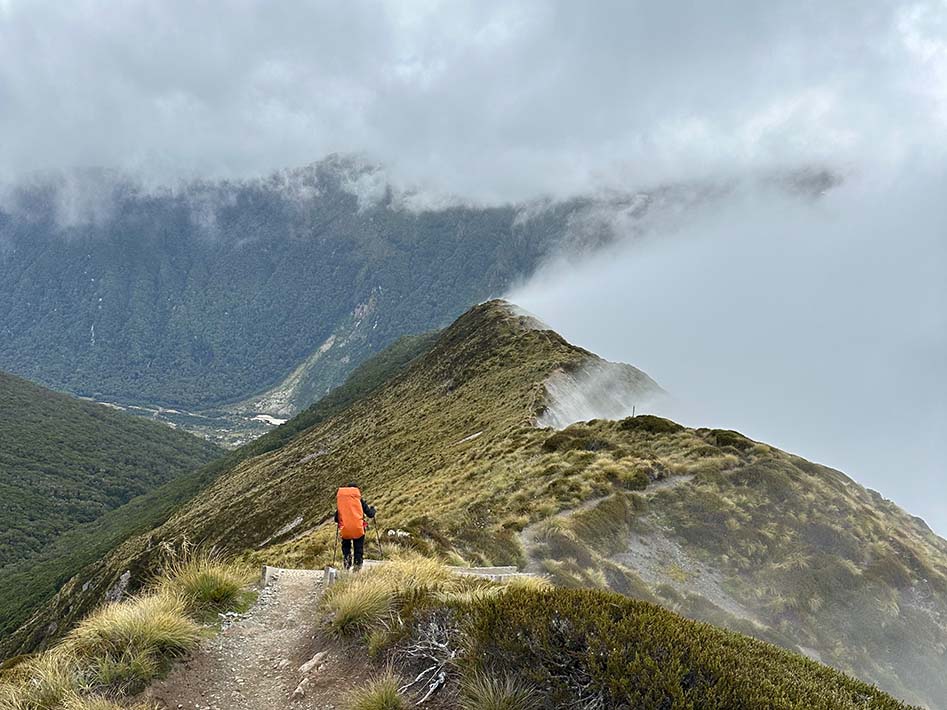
[[819, 328], [497, 100]]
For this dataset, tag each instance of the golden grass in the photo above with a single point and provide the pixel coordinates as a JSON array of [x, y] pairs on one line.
[[358, 605], [122, 646], [481, 691], [206, 583], [157, 624], [380, 694], [42, 683]]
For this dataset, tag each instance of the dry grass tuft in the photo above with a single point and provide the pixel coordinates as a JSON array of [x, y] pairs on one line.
[[359, 604], [206, 584], [485, 692], [44, 683], [155, 624], [381, 694]]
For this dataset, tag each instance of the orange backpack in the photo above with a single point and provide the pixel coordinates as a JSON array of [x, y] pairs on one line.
[[348, 501]]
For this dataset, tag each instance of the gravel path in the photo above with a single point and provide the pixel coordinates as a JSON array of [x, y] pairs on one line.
[[255, 662]]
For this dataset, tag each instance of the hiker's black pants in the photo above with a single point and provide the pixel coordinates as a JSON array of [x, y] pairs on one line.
[[359, 545]]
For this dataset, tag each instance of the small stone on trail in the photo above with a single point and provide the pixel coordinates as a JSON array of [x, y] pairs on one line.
[[301, 688], [313, 662], [283, 664]]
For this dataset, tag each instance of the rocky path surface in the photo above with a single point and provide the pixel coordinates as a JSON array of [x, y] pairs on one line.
[[274, 657], [270, 658]]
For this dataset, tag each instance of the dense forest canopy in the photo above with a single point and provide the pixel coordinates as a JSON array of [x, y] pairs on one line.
[[65, 462]]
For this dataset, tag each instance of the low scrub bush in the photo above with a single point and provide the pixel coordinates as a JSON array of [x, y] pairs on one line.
[[380, 694], [650, 424], [596, 649]]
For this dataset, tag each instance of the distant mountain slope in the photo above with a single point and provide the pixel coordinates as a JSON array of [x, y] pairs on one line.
[[217, 292], [264, 294], [451, 453], [65, 462], [25, 586]]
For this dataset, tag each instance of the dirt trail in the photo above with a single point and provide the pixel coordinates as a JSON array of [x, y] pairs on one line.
[[254, 663]]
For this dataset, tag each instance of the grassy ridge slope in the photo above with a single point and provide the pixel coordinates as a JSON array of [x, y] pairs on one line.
[[449, 452], [25, 587]]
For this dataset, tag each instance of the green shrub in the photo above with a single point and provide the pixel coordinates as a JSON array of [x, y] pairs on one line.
[[650, 424], [380, 694], [582, 644], [726, 437]]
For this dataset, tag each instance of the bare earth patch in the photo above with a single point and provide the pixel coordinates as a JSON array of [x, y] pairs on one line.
[[254, 664]]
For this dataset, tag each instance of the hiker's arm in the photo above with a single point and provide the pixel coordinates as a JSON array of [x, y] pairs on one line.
[[368, 510], [337, 516]]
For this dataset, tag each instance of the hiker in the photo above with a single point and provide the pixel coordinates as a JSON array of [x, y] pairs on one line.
[[351, 515]]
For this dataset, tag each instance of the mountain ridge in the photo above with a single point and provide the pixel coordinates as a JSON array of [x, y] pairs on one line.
[[449, 450]]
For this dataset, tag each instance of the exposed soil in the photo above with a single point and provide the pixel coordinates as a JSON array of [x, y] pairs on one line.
[[254, 663]]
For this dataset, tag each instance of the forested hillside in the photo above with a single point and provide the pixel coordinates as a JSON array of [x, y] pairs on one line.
[[65, 462], [24, 586], [213, 292]]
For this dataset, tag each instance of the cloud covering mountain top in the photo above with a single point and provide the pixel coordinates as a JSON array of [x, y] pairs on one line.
[[493, 100]]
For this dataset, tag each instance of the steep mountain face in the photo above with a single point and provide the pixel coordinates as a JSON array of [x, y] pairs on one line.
[[453, 452], [262, 293], [64, 462]]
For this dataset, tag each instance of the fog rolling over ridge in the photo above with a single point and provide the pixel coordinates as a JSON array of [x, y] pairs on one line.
[[817, 325]]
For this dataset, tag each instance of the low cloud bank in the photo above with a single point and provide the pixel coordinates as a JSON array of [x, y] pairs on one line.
[[818, 325]]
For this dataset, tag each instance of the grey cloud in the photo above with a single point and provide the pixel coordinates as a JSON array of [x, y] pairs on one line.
[[818, 326], [489, 99]]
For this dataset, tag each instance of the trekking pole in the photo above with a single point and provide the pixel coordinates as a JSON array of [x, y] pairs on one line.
[[381, 552]]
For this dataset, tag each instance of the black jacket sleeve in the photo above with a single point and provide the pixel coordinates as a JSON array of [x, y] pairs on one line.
[[368, 510]]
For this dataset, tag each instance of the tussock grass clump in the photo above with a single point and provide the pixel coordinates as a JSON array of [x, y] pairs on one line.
[[481, 691], [46, 682], [94, 702], [380, 694], [206, 584], [123, 646], [157, 624], [119, 648], [360, 603]]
